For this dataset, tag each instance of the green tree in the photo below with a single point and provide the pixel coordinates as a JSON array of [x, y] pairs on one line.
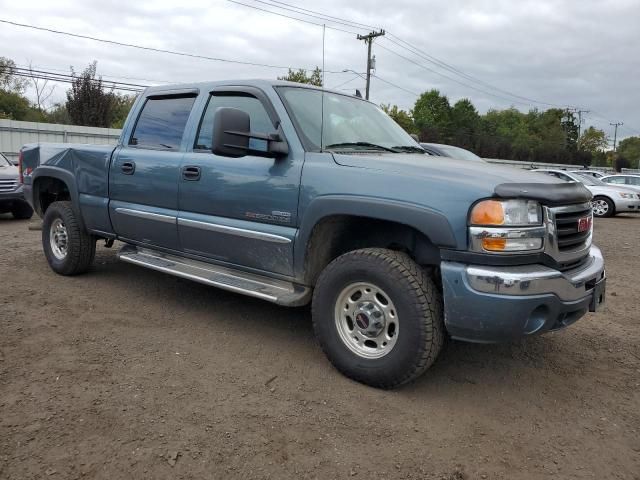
[[300, 76], [432, 116], [88, 103], [593, 140], [9, 80], [13, 105], [630, 149], [465, 121], [401, 117], [121, 106]]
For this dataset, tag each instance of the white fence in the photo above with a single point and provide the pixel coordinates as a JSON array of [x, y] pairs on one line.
[[14, 134]]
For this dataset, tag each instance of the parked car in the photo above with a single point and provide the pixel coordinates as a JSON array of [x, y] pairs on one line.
[[608, 200], [442, 150], [11, 191], [625, 180], [393, 248], [591, 173]]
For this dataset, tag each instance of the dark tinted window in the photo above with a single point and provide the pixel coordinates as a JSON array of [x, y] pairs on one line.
[[162, 121], [260, 121]]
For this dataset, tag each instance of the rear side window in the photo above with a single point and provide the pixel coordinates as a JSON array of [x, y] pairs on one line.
[[619, 180], [260, 121], [161, 122], [633, 180]]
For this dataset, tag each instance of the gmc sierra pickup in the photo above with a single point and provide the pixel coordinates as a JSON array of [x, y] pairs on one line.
[[298, 195]]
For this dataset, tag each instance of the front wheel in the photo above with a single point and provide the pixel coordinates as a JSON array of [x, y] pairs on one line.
[[378, 317], [603, 207], [69, 249]]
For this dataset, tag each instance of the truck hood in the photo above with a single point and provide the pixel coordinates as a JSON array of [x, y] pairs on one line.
[[505, 182]]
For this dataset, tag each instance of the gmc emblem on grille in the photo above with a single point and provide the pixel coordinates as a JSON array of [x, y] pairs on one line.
[[584, 224]]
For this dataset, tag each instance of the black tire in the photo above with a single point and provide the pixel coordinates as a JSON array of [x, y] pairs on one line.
[[21, 211], [611, 208], [419, 309], [80, 246]]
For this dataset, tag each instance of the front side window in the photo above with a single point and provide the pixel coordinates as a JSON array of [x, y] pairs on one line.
[[260, 122], [328, 120], [161, 122]]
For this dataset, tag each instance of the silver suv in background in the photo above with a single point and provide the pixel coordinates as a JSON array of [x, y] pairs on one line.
[[608, 200], [11, 195]]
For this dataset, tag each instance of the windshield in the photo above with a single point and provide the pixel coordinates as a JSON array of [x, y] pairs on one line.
[[350, 123], [589, 180], [460, 153], [4, 162]]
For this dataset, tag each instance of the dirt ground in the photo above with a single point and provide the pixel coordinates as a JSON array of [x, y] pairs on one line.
[[130, 373]]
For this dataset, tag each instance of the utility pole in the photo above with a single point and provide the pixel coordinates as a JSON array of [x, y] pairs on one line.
[[615, 133], [580, 112], [369, 40]]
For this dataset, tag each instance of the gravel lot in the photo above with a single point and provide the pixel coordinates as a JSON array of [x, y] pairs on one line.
[[129, 373]]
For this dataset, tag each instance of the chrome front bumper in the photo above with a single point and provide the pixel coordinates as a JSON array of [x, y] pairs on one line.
[[568, 286], [502, 303]]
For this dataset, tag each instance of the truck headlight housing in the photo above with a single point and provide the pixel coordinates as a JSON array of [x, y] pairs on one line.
[[506, 226]]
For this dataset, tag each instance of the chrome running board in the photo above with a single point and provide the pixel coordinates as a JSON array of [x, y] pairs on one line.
[[251, 284]]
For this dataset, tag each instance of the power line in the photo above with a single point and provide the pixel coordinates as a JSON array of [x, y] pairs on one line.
[[152, 49], [104, 75], [292, 18], [411, 48]]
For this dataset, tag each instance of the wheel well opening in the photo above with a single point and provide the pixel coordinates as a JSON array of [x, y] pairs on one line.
[[336, 235], [48, 190]]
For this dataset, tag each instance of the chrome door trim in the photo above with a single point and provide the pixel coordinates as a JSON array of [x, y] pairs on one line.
[[146, 215], [241, 232]]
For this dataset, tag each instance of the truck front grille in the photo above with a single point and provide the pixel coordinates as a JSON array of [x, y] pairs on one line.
[[567, 229], [8, 185], [565, 243]]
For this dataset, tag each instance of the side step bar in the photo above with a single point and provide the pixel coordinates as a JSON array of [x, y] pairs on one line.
[[272, 290]]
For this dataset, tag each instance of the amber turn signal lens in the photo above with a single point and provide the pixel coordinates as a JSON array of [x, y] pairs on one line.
[[494, 244], [488, 212]]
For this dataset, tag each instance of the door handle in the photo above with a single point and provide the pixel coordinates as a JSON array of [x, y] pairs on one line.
[[128, 168], [191, 173]]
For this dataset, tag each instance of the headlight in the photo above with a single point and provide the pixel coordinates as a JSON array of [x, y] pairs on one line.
[[504, 226], [506, 212], [625, 195]]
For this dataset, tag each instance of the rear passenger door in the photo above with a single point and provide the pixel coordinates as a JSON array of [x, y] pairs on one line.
[[143, 179]]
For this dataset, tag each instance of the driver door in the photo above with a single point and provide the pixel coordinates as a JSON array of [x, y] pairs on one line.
[[239, 211]]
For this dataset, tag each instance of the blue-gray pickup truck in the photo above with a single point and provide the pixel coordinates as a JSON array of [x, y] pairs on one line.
[[298, 195]]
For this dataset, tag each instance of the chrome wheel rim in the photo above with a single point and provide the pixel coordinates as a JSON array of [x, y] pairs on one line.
[[600, 207], [58, 239], [367, 320]]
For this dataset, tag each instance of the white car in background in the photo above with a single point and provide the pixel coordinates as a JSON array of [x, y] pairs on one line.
[[608, 200], [591, 173], [625, 180]]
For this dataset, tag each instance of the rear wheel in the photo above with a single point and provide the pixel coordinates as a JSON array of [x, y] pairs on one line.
[[68, 248], [378, 317], [21, 211], [603, 207]]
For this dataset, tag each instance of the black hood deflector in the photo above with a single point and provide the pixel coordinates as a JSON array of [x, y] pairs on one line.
[[551, 194]]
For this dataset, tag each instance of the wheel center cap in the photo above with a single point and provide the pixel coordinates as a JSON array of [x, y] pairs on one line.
[[369, 319]]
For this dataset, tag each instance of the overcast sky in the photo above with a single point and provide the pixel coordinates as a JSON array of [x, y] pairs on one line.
[[583, 53]]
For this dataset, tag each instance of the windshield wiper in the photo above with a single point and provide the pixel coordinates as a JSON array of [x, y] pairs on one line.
[[365, 145], [409, 148]]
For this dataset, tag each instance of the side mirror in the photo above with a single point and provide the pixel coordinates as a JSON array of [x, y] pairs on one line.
[[232, 136]]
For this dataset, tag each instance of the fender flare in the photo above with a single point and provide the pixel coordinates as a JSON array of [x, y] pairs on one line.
[[66, 177], [432, 224]]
